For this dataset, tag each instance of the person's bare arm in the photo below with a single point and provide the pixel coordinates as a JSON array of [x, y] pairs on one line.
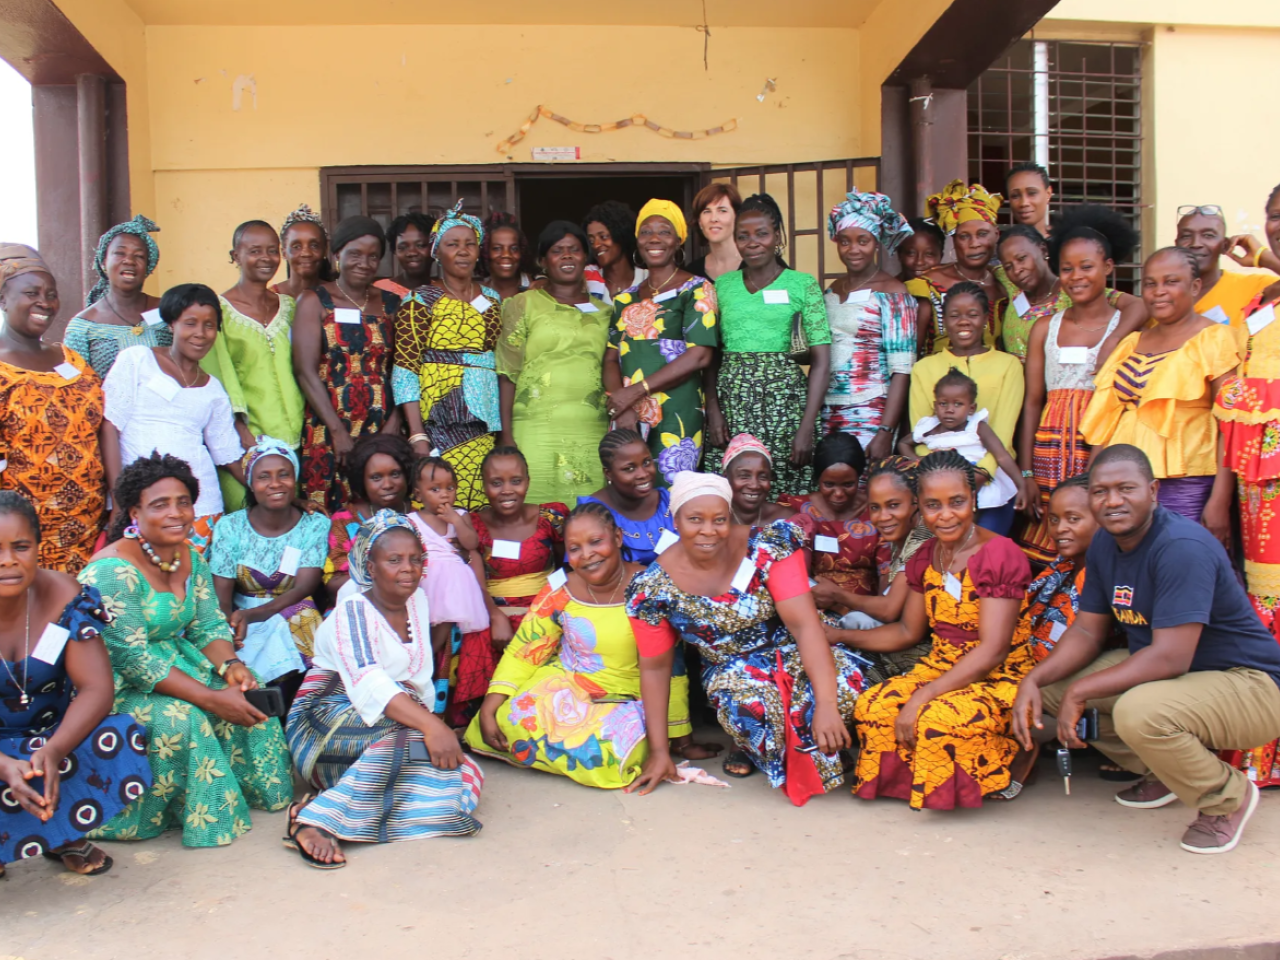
[[895, 405], [819, 382], [506, 406], [1078, 647], [905, 632], [1026, 486], [1133, 316], [442, 743], [308, 335], [887, 607], [1034, 397], [717, 428], [655, 694]]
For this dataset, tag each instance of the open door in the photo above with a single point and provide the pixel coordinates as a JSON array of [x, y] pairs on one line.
[[806, 192]]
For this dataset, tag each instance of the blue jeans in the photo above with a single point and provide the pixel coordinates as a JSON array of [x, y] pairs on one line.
[[997, 519]]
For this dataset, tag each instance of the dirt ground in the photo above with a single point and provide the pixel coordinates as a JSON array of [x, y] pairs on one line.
[[566, 872]]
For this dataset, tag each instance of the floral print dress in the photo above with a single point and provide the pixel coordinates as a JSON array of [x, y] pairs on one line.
[[649, 333], [207, 772]]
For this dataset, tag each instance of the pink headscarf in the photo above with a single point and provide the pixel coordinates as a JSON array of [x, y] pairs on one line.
[[744, 443]]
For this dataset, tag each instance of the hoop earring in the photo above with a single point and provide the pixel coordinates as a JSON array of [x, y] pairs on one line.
[[132, 532], [680, 256]]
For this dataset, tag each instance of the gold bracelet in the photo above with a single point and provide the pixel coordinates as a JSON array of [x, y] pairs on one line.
[[645, 383], [419, 436], [1257, 257]]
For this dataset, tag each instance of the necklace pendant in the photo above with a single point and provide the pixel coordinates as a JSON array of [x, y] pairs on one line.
[[24, 700], [137, 331]]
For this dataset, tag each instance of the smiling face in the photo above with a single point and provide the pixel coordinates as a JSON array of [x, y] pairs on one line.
[[704, 525], [195, 331], [1025, 262], [29, 302], [565, 261], [716, 220], [603, 247], [436, 488], [1084, 269], [946, 505], [953, 405], [838, 485], [164, 513], [750, 477], [358, 261], [257, 254], [891, 506], [273, 482], [1205, 236], [632, 471], [506, 484], [19, 554], [964, 319], [1071, 522], [458, 252], [1121, 498], [395, 565], [385, 483], [126, 263], [413, 252], [305, 249], [1167, 287], [857, 248], [593, 549], [975, 242], [504, 253], [918, 254], [658, 242], [756, 239], [1029, 198]]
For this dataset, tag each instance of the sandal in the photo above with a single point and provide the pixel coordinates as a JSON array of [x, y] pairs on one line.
[[290, 840], [1022, 773], [738, 758], [84, 850]]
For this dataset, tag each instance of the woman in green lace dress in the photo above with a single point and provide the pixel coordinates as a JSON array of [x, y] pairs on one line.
[[549, 358], [212, 754]]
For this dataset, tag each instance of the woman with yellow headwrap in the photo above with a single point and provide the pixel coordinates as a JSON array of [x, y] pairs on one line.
[[968, 216], [663, 334]]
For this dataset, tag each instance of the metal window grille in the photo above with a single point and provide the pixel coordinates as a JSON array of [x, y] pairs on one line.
[[1075, 108]]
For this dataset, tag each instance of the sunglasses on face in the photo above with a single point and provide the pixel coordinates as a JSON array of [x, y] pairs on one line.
[[1209, 210]]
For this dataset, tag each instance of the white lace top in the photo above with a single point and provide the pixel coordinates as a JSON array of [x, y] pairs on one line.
[[1059, 375], [153, 411]]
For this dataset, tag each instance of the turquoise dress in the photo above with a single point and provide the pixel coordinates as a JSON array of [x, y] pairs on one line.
[[101, 343]]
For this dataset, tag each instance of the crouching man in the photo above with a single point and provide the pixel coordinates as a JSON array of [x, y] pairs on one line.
[[1200, 674]]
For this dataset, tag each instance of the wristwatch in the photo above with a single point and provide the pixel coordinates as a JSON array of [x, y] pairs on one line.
[[1029, 474], [227, 664]]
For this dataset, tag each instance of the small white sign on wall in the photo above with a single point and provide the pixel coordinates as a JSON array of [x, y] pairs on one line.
[[556, 154]]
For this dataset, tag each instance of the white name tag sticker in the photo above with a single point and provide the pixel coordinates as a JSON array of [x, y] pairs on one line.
[[665, 541], [347, 315], [1021, 304], [812, 583], [167, 387], [587, 307], [1261, 319], [1073, 354], [824, 544], [482, 303], [152, 317], [1217, 314], [776, 296], [557, 579], [858, 296], [953, 586], [506, 549], [665, 296], [4, 465], [742, 579], [66, 371], [1056, 630], [51, 643], [289, 561]]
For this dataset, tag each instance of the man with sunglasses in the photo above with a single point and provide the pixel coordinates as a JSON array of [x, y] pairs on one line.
[[1224, 294]]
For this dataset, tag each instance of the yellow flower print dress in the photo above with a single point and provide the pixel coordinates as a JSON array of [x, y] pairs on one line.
[[207, 772], [650, 333]]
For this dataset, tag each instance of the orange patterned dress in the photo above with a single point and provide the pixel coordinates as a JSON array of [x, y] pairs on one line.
[[49, 438], [963, 742]]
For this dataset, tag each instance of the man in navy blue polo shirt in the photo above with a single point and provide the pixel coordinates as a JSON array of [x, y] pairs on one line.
[[1200, 674]]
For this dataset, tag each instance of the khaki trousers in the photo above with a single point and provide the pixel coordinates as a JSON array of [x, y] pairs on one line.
[[1173, 728]]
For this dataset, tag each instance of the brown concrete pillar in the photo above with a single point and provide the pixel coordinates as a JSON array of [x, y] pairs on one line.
[[920, 104], [91, 116]]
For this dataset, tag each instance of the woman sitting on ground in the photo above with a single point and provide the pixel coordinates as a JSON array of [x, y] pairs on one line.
[[749, 469], [566, 697], [361, 730], [741, 595], [213, 754], [55, 751], [938, 736]]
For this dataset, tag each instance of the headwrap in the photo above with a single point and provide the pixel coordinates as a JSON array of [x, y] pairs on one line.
[[958, 204], [362, 548], [668, 211], [455, 218], [17, 259], [265, 446], [687, 485], [139, 226], [304, 214], [874, 214], [744, 443]]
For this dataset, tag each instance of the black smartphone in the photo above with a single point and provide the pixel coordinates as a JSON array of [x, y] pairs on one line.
[[418, 750], [268, 700], [1087, 725]]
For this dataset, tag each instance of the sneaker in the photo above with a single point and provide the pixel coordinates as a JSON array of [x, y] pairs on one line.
[[1147, 794], [1218, 834]]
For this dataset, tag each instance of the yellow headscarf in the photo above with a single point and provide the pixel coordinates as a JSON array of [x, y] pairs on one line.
[[667, 210], [958, 204]]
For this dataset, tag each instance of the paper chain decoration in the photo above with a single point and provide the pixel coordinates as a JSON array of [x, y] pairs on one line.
[[637, 120]]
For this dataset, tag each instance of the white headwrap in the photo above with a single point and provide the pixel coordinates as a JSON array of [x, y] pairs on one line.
[[687, 485]]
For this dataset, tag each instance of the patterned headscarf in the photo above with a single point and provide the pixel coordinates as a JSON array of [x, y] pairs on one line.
[[139, 226], [744, 443], [687, 485], [668, 211], [17, 259], [304, 214], [874, 214], [455, 218], [362, 549], [265, 446], [958, 204]]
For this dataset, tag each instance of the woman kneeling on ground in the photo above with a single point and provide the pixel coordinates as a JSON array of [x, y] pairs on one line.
[[360, 731], [741, 595]]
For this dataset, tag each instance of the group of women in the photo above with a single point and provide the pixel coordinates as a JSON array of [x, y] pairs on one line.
[[494, 488]]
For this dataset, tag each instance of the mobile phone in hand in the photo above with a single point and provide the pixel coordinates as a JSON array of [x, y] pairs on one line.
[[268, 700]]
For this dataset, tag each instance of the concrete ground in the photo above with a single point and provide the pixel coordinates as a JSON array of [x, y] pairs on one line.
[[566, 872]]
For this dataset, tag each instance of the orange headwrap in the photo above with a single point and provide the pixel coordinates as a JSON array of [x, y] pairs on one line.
[[958, 204]]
